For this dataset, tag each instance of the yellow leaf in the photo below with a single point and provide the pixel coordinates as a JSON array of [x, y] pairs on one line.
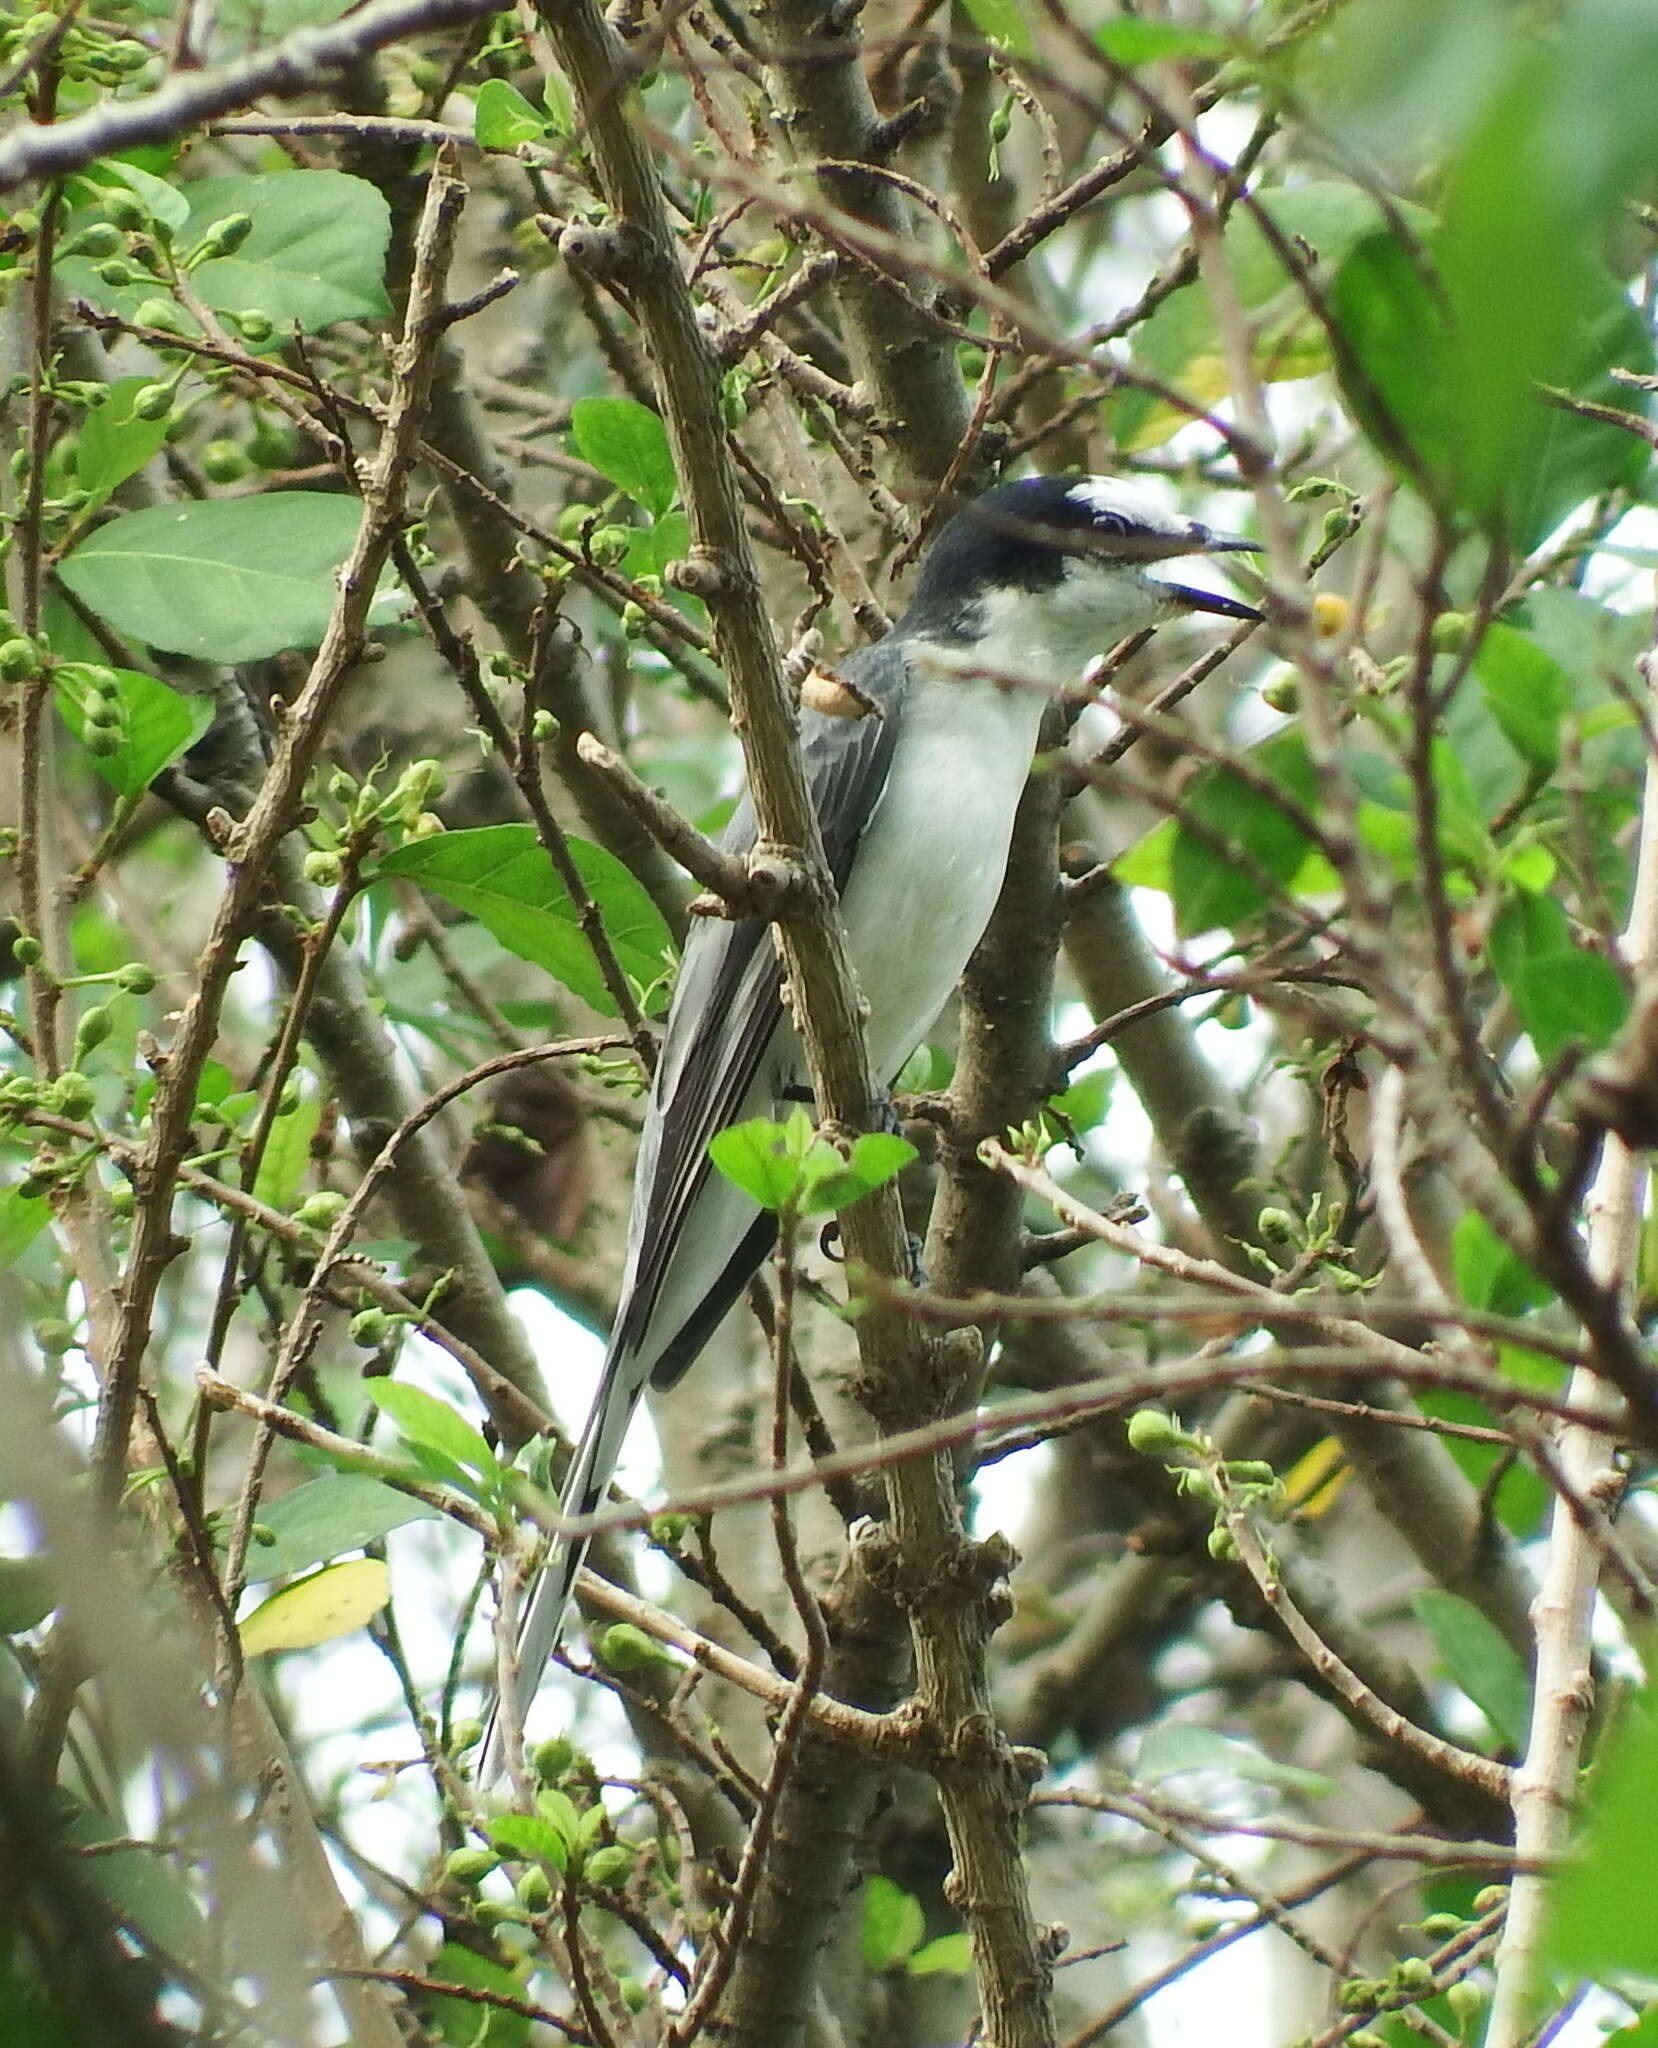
[[330, 1603], [1316, 1480]]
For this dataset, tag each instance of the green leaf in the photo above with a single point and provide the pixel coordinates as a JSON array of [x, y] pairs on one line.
[[1489, 1275], [242, 24], [1480, 1659], [502, 117], [1602, 1922], [893, 1924], [1237, 837], [326, 1517], [951, 1955], [1004, 23], [287, 1154], [1148, 42], [316, 254], [159, 724], [501, 875], [112, 445], [26, 1596], [141, 1887], [433, 1425], [1148, 864], [628, 443], [22, 1219], [1528, 693], [560, 1811], [561, 108], [1175, 1746], [529, 1839], [834, 1182], [462, 2022], [165, 200], [1563, 993], [786, 1165], [1480, 438], [226, 579], [757, 1157]]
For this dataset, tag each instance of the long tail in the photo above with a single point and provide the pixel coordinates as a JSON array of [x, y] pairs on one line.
[[584, 1489]]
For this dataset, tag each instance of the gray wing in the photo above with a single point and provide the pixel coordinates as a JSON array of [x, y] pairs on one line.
[[728, 1002]]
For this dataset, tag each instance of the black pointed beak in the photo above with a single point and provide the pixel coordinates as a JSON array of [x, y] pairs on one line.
[[1193, 600]]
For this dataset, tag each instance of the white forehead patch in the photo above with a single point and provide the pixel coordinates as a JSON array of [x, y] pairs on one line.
[[1104, 496]]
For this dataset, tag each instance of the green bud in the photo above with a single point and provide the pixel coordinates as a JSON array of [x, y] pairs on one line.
[[552, 1759], [1450, 632], [1282, 689], [225, 236], [117, 271], [127, 211], [225, 462], [152, 401], [634, 620], [609, 1868], [105, 711], [71, 1094], [1488, 1900], [465, 1735], [490, 1914], [321, 1210], [427, 826], [1412, 1973], [608, 545], [127, 56], [256, 327], [92, 1030], [1466, 2000], [370, 1327], [19, 660], [470, 1866], [122, 1200], [1359, 1994], [571, 520], [1150, 1432], [622, 1647], [135, 978], [534, 1889], [322, 868], [162, 313], [54, 1336], [1441, 1926], [102, 238], [1250, 1472], [27, 951], [1277, 1226], [1001, 124], [1220, 1544], [102, 742]]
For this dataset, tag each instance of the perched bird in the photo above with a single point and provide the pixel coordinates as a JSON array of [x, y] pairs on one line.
[[915, 787]]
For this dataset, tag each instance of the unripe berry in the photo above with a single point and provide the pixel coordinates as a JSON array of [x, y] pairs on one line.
[[1151, 1431]]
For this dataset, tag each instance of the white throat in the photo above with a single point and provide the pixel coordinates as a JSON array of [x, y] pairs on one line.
[[1047, 638]]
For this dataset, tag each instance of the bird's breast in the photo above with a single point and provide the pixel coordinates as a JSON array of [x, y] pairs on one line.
[[931, 860]]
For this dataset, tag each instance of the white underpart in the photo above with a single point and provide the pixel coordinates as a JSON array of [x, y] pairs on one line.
[[932, 858]]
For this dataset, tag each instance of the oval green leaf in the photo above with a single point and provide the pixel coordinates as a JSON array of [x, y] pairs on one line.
[[500, 874], [226, 579]]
